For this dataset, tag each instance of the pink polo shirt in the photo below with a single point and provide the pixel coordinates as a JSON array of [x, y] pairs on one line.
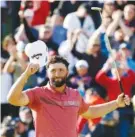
[[55, 114]]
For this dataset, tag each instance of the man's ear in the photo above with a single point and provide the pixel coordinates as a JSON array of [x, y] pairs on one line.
[[47, 72]]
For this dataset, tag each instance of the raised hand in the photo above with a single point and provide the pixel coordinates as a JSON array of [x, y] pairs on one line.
[[123, 100], [31, 69]]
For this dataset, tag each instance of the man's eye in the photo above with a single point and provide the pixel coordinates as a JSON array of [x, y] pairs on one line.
[[61, 70], [53, 70]]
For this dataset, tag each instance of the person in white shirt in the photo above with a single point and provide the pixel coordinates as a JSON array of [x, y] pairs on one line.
[[81, 21]]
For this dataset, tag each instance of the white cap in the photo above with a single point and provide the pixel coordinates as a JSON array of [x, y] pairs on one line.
[[37, 52], [123, 45], [28, 13], [82, 63]]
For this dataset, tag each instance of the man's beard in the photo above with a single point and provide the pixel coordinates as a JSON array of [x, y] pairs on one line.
[[58, 83]]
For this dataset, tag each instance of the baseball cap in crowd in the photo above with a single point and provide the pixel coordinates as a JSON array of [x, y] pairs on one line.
[[81, 63], [28, 13], [123, 46], [37, 52]]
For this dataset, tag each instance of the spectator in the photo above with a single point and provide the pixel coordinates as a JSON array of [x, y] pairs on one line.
[[40, 15], [82, 80], [108, 8], [81, 19], [45, 34], [7, 44], [129, 17], [117, 39], [112, 87], [17, 63], [120, 4], [126, 74], [82, 23], [92, 97], [41, 11], [59, 32], [23, 34], [65, 50], [126, 24], [26, 117], [20, 128], [100, 33], [125, 55], [93, 56]]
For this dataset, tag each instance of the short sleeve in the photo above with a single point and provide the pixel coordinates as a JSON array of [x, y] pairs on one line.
[[83, 107], [33, 95]]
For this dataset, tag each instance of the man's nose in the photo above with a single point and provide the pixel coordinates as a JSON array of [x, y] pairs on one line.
[[57, 74]]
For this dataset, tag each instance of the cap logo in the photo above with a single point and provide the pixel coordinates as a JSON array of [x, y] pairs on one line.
[[36, 56]]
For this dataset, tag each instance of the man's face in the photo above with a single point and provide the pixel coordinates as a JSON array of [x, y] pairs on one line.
[[129, 13], [26, 117], [94, 48], [45, 35], [120, 71], [57, 74], [82, 71], [119, 35], [82, 12]]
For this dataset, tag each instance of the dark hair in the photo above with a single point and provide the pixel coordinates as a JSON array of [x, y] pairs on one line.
[[57, 59], [85, 6]]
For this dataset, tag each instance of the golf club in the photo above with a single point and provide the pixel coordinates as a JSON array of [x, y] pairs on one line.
[[108, 46]]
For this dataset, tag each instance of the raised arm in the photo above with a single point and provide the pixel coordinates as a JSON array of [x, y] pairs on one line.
[[103, 109], [115, 23], [16, 96], [28, 32]]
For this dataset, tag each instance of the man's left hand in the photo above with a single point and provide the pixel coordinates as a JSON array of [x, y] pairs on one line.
[[123, 100]]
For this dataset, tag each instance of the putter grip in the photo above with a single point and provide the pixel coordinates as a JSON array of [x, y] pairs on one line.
[[121, 87]]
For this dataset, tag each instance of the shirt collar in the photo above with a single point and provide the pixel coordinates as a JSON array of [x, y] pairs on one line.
[[54, 91]]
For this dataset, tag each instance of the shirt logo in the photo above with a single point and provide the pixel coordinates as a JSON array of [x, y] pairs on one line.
[[60, 103]]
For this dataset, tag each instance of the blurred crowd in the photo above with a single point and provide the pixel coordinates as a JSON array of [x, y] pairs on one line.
[[72, 30]]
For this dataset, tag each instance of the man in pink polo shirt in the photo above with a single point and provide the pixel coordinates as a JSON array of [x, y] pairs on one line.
[[55, 107]]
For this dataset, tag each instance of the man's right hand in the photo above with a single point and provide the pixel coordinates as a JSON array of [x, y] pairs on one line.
[[31, 69]]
